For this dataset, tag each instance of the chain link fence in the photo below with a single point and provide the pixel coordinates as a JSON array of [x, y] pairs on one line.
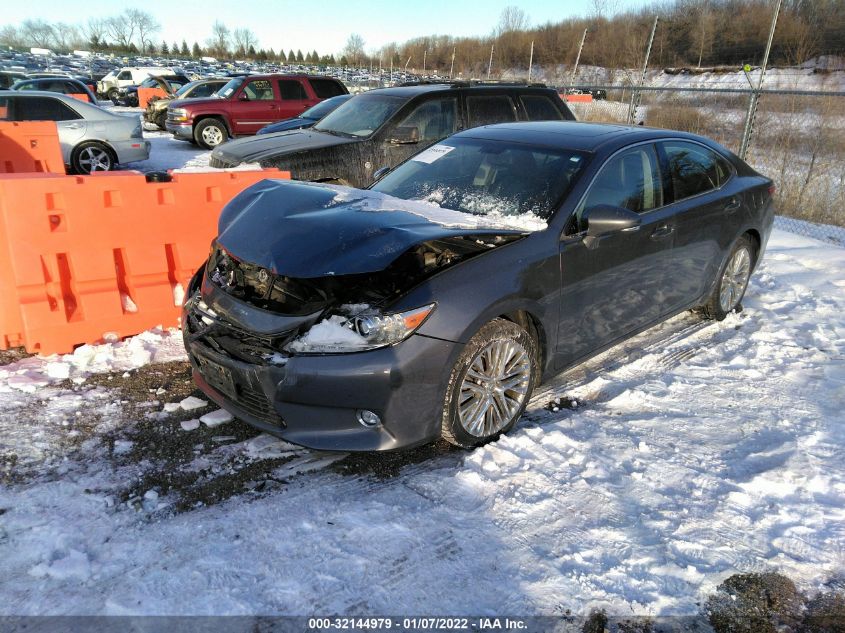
[[798, 140]]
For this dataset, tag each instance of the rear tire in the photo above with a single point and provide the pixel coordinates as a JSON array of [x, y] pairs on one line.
[[161, 120], [490, 384], [92, 156], [112, 95], [209, 133], [732, 281]]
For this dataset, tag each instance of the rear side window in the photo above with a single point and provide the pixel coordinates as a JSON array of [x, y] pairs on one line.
[[694, 169], [204, 90], [43, 109], [326, 88], [124, 75], [540, 108], [259, 90], [485, 110], [292, 90]]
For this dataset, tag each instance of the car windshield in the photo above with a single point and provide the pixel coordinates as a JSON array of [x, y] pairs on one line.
[[229, 89], [361, 116], [487, 177], [324, 107], [185, 88]]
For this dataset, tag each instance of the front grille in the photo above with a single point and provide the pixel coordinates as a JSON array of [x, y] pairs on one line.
[[219, 163], [257, 404]]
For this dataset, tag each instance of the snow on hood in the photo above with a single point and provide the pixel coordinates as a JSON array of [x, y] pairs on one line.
[[311, 230]]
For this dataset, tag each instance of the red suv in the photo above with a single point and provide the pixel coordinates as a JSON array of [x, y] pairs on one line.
[[246, 104]]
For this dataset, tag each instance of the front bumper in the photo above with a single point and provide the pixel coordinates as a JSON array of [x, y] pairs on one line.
[[184, 131], [313, 400]]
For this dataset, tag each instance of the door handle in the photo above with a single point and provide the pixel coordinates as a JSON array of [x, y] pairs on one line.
[[74, 126], [664, 230], [732, 205]]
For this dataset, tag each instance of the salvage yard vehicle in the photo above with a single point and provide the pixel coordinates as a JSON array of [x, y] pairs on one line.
[[381, 128], [308, 118], [246, 104], [110, 84], [62, 85], [91, 139], [128, 95], [432, 304], [156, 111]]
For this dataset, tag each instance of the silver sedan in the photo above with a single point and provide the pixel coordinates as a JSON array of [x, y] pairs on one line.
[[91, 138]]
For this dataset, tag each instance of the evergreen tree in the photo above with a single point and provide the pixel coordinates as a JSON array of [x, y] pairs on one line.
[[344, 61], [196, 51], [174, 49], [251, 51], [184, 50], [299, 57], [291, 56], [165, 50]]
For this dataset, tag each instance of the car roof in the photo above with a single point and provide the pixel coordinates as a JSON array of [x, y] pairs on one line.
[[586, 137], [423, 88], [89, 110]]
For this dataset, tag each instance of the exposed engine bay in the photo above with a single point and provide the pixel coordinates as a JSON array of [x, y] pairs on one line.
[[304, 302]]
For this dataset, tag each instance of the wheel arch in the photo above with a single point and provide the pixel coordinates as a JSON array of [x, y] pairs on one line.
[[534, 326]]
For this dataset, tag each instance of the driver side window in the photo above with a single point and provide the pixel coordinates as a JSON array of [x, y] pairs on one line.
[[630, 180], [259, 90], [435, 119]]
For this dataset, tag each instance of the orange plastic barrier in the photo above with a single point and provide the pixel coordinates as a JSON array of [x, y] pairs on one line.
[[578, 98], [144, 95], [79, 95], [82, 257], [30, 146]]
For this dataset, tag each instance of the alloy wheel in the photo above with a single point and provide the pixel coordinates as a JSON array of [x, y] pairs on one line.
[[212, 135], [494, 387], [735, 279], [94, 159]]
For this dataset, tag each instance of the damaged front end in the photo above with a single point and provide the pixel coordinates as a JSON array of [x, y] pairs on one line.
[[255, 315]]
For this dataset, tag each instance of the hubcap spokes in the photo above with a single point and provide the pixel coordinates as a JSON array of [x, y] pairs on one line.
[[94, 159], [735, 279], [212, 136], [494, 388]]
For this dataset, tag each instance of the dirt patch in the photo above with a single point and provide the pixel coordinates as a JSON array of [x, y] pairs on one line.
[[390, 464], [13, 355]]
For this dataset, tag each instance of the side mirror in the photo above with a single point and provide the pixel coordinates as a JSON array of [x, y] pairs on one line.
[[243, 97], [604, 219], [380, 173], [408, 135]]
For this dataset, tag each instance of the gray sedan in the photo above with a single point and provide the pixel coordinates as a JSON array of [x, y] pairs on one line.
[[92, 139]]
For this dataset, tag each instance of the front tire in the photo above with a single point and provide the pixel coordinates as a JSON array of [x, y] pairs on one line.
[[490, 384], [732, 282], [90, 157], [209, 133], [161, 120]]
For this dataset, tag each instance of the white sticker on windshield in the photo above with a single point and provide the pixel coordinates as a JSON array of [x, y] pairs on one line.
[[432, 154]]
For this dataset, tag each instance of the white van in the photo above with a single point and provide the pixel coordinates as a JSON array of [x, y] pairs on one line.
[[128, 76]]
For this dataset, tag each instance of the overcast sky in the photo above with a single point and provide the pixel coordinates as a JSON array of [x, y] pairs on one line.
[[323, 24]]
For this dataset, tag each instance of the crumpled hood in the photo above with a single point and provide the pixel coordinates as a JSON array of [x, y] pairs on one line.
[[262, 146], [309, 230]]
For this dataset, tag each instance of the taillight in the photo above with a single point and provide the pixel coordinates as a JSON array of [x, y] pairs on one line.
[[772, 190]]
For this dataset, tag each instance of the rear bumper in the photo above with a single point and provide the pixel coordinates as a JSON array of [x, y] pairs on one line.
[[180, 130], [131, 150]]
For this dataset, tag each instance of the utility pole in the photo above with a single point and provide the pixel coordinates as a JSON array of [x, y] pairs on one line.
[[635, 95], [490, 63], [452, 67], [530, 61], [755, 93], [407, 62], [425, 51], [577, 59]]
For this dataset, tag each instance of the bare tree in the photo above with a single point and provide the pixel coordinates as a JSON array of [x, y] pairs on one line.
[[219, 40], [354, 49], [512, 19], [37, 33], [146, 26], [96, 30], [11, 36], [244, 39], [121, 29], [704, 32], [66, 36]]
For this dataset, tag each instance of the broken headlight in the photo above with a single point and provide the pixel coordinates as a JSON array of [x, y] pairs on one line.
[[363, 332]]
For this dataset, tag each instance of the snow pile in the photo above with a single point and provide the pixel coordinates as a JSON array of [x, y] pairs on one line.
[[153, 346], [329, 333]]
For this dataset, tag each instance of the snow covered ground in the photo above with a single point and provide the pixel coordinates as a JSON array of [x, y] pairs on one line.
[[695, 450]]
